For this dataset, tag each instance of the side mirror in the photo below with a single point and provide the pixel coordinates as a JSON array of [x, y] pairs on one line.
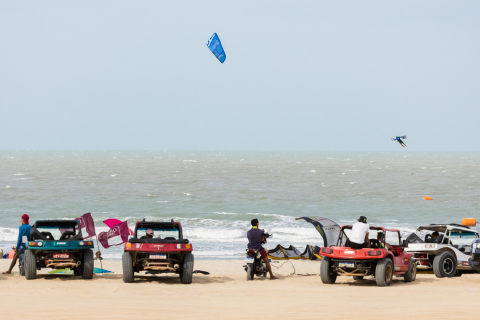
[[404, 244]]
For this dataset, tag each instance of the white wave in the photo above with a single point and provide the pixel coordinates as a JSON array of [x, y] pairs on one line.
[[8, 234], [8, 187], [219, 253], [231, 213], [189, 160], [114, 175], [352, 182], [165, 201], [313, 170], [19, 174], [272, 215]]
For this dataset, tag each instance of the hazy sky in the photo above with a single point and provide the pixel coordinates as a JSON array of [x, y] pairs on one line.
[[299, 75]]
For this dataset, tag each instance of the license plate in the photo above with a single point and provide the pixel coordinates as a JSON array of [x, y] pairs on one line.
[[61, 255], [249, 260], [346, 265], [158, 256]]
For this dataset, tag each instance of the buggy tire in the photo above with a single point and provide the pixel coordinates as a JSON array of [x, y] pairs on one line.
[[30, 265], [357, 277], [411, 274], [327, 274], [21, 264], [186, 276], [445, 265], [87, 264], [384, 272], [127, 264], [249, 272]]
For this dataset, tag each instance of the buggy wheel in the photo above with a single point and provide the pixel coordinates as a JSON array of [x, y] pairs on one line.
[[249, 272], [186, 276], [384, 272], [87, 268], [21, 264], [445, 265], [357, 277], [127, 264], [411, 274], [30, 265], [327, 274]]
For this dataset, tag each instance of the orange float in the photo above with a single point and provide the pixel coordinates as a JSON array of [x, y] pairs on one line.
[[427, 198], [469, 222]]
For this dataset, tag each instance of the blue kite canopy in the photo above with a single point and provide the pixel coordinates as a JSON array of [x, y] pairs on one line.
[[215, 46]]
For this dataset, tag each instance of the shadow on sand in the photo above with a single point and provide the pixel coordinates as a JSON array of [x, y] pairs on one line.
[[172, 280]]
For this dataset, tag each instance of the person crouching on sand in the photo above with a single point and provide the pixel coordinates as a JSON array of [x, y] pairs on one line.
[[23, 231], [255, 238]]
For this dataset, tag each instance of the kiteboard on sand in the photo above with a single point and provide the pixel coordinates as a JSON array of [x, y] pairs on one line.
[[70, 271]]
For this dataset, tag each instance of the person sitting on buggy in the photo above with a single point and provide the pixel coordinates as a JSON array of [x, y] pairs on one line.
[[359, 237], [148, 234]]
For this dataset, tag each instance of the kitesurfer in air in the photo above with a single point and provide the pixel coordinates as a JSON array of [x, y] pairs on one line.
[[399, 139]]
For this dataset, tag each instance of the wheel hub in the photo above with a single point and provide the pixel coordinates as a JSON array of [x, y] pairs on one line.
[[448, 266]]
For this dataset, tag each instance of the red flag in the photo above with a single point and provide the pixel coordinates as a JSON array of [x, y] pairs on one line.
[[117, 235], [111, 222], [88, 227]]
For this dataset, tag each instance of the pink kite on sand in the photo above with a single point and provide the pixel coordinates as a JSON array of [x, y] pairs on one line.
[[111, 222]]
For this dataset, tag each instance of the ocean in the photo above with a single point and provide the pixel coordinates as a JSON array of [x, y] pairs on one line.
[[216, 194]]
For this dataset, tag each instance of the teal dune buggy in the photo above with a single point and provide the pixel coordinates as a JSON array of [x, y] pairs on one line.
[[57, 244]]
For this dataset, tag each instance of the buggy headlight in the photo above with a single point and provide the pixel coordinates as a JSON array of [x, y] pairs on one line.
[[81, 243], [39, 244]]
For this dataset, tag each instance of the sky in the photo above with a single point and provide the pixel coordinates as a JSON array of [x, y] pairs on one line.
[[299, 75]]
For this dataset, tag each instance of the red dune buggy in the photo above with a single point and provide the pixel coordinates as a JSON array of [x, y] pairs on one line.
[[164, 251], [384, 258]]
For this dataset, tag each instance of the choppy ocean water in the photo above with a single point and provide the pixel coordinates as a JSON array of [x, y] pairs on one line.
[[216, 194]]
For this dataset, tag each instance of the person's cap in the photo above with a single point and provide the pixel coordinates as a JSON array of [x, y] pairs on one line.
[[25, 218], [362, 219], [149, 232]]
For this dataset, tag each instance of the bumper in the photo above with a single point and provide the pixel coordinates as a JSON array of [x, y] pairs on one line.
[[474, 264]]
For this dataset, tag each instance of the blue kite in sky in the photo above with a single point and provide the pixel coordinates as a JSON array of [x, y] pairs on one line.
[[215, 46]]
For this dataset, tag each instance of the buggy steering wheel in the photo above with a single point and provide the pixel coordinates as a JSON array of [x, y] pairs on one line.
[[374, 243]]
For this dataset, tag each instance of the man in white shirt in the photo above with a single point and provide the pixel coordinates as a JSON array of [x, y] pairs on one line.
[[359, 237]]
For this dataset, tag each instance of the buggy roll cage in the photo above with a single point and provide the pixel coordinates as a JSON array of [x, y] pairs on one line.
[[75, 224], [340, 242]]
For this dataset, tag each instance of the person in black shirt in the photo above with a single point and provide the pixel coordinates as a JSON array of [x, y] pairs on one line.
[[255, 238]]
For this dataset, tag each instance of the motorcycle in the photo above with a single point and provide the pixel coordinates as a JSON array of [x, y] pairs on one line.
[[255, 264]]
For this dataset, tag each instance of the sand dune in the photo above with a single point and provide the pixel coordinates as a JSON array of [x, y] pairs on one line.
[[225, 294]]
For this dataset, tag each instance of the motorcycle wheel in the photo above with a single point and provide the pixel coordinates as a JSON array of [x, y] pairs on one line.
[[249, 272]]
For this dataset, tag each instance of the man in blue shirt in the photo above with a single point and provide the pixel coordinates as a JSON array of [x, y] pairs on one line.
[[23, 231], [255, 238]]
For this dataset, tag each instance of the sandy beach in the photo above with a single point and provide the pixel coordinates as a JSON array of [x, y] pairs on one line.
[[225, 294]]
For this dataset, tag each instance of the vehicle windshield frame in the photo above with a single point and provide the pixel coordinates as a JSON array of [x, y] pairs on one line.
[[159, 225]]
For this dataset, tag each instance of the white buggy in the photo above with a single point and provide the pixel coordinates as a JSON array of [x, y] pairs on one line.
[[448, 255]]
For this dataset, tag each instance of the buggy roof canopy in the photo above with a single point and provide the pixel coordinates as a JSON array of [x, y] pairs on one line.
[[444, 227], [327, 228], [56, 223]]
